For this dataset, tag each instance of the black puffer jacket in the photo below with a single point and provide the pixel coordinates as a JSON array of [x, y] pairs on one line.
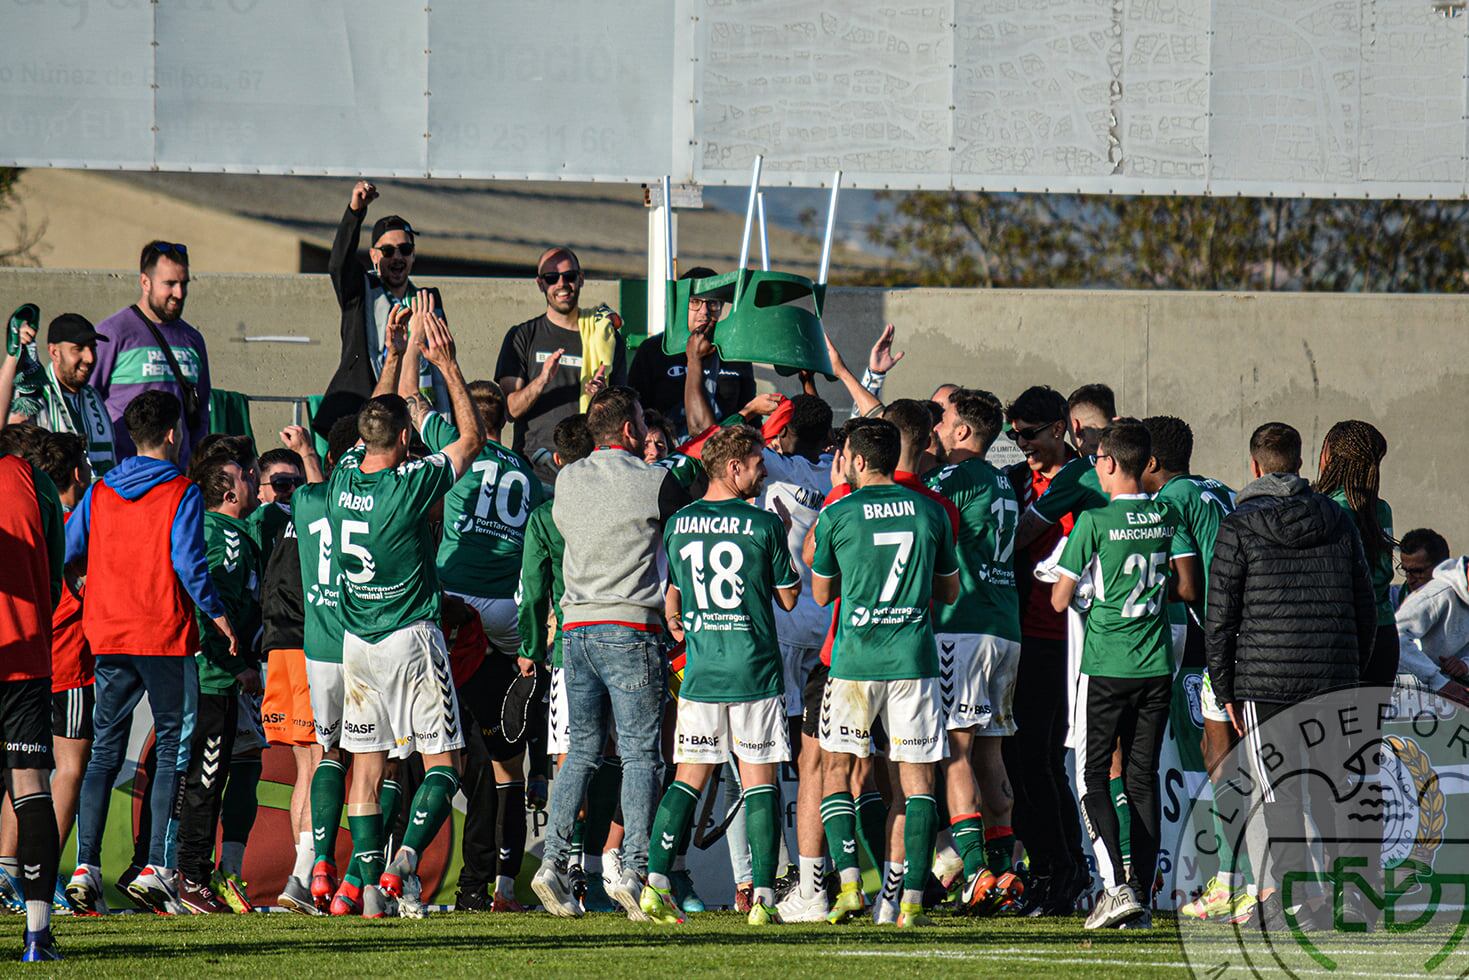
[[1291, 611]]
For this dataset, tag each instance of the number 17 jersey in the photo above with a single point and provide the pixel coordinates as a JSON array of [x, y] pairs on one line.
[[887, 543], [989, 603]]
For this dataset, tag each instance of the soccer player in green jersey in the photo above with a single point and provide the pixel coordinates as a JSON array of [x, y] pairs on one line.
[[726, 560], [395, 667], [888, 553], [979, 648], [1126, 550], [1200, 504], [234, 565], [485, 516]]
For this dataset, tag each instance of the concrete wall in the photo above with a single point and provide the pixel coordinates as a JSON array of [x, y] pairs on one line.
[[1223, 362]]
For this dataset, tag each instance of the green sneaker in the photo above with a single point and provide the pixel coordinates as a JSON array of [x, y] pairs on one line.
[[658, 905], [910, 915], [763, 915], [233, 889], [850, 901]]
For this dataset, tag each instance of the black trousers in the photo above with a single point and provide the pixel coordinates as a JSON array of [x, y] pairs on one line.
[[1382, 667], [1045, 817], [202, 789], [490, 844], [1134, 711]]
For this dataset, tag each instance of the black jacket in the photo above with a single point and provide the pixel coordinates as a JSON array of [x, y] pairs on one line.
[[353, 282], [282, 609], [1290, 611]]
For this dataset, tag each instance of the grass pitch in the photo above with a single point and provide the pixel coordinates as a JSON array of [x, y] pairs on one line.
[[602, 945]]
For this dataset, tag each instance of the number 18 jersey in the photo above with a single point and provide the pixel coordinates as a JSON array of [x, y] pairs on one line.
[[886, 542], [1126, 546], [726, 558]]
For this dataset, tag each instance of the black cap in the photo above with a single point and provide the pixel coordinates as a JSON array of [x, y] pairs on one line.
[[392, 222], [72, 328]]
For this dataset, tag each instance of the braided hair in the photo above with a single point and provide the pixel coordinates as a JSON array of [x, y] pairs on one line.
[[1354, 452]]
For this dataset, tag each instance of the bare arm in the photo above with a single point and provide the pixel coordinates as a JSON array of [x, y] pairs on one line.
[[672, 610], [9, 367], [438, 347], [298, 440], [387, 382], [864, 400], [1186, 579], [824, 589], [946, 589], [697, 412], [521, 396], [787, 597], [1061, 592]]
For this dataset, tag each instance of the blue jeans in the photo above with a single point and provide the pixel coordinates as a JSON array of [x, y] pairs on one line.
[[121, 683], [627, 669]]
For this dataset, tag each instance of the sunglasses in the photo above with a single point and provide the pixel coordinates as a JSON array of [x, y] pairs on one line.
[[552, 278], [285, 484], [405, 250], [170, 248], [1029, 435], [712, 305]]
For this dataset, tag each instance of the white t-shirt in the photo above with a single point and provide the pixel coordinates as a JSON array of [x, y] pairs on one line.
[[801, 486]]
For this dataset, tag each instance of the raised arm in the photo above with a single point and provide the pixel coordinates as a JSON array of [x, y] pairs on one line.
[[863, 400], [698, 414], [343, 265], [297, 439], [387, 381], [438, 347]]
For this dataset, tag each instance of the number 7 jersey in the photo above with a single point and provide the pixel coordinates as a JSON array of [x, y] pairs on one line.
[[887, 543]]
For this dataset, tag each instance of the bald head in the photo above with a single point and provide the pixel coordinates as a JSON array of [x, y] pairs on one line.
[[558, 276]]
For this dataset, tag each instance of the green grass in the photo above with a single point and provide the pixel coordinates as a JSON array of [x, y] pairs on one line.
[[606, 945]]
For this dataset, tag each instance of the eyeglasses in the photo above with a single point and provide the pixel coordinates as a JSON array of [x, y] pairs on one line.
[[1029, 435], [285, 484], [1101, 456], [405, 250], [552, 278], [715, 306], [170, 248]]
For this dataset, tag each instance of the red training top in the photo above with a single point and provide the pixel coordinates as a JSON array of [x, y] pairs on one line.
[[72, 663], [25, 577]]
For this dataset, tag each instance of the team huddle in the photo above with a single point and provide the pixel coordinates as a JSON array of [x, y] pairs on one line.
[[716, 589]]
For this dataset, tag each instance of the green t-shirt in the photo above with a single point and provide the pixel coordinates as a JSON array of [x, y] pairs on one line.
[[321, 594], [887, 543], [383, 544], [988, 510], [1126, 546], [1200, 505], [726, 558], [541, 586], [484, 516], [1074, 488], [234, 565], [1382, 568], [265, 523]]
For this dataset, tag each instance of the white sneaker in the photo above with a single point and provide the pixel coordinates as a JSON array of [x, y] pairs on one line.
[[84, 891], [612, 870], [885, 911], [410, 903], [154, 888], [794, 908], [1114, 909], [628, 892], [553, 888]]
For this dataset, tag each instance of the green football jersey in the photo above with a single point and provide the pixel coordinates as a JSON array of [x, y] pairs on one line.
[[541, 586], [726, 558], [484, 516], [321, 592], [235, 568], [887, 543], [1126, 546], [265, 524], [1200, 505], [383, 544], [1074, 488], [1382, 570], [988, 600]]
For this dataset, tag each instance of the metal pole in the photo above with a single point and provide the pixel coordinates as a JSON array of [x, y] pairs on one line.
[[668, 227], [831, 221], [750, 213], [764, 242]]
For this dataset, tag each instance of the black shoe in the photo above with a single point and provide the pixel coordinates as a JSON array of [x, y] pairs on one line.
[[1269, 917], [934, 892], [127, 878], [475, 898], [1037, 894], [577, 875], [1065, 892], [786, 882]]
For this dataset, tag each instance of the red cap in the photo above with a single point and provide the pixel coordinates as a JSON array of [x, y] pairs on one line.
[[778, 420]]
